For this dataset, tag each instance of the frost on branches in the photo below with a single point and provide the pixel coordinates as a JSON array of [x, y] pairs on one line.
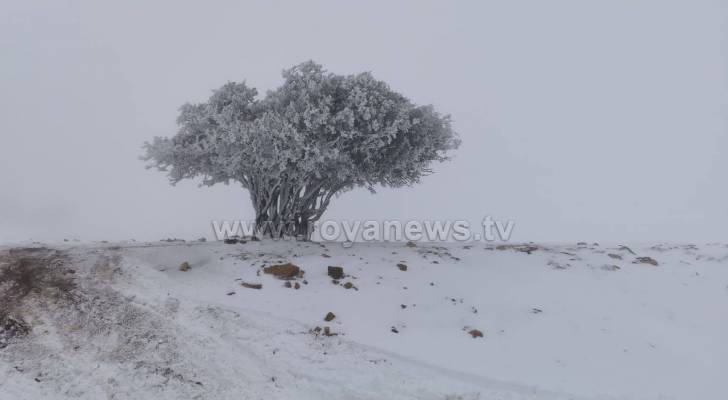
[[317, 135]]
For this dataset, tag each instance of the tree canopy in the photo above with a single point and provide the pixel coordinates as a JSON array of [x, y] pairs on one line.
[[301, 144]]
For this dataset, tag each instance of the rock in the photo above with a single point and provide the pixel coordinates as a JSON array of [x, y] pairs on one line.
[[252, 285], [283, 271], [646, 260], [394, 330], [296, 285], [336, 272], [348, 285], [411, 244], [230, 241], [185, 266], [254, 239], [327, 331], [202, 239], [403, 306], [475, 333], [288, 284], [324, 255], [625, 248], [329, 317], [536, 310], [230, 293], [615, 256], [402, 267]]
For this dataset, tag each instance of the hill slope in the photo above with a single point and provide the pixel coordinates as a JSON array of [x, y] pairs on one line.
[[558, 321]]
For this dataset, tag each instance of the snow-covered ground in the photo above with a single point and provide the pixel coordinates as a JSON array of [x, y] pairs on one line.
[[581, 321]]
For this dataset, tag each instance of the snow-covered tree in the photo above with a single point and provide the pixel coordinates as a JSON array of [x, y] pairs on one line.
[[317, 135]]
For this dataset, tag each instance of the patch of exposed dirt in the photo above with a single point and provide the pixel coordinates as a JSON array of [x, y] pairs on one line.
[[34, 273]]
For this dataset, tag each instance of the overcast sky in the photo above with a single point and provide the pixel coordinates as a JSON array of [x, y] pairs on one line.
[[580, 120]]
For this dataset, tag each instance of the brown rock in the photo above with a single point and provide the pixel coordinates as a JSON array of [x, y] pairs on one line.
[[348, 285], [283, 271], [185, 266], [296, 285], [329, 317], [475, 333], [336, 272], [402, 267], [252, 285]]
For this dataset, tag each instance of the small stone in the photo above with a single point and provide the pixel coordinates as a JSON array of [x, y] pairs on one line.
[[324, 255], [252, 285], [475, 333], [411, 244], [646, 260], [627, 249], [230, 293], [329, 316], [336, 272], [296, 285], [403, 306], [402, 267], [327, 331], [394, 330], [348, 285], [288, 284], [185, 266], [230, 241], [615, 256]]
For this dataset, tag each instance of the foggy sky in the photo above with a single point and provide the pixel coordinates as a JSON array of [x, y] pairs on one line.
[[580, 120]]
